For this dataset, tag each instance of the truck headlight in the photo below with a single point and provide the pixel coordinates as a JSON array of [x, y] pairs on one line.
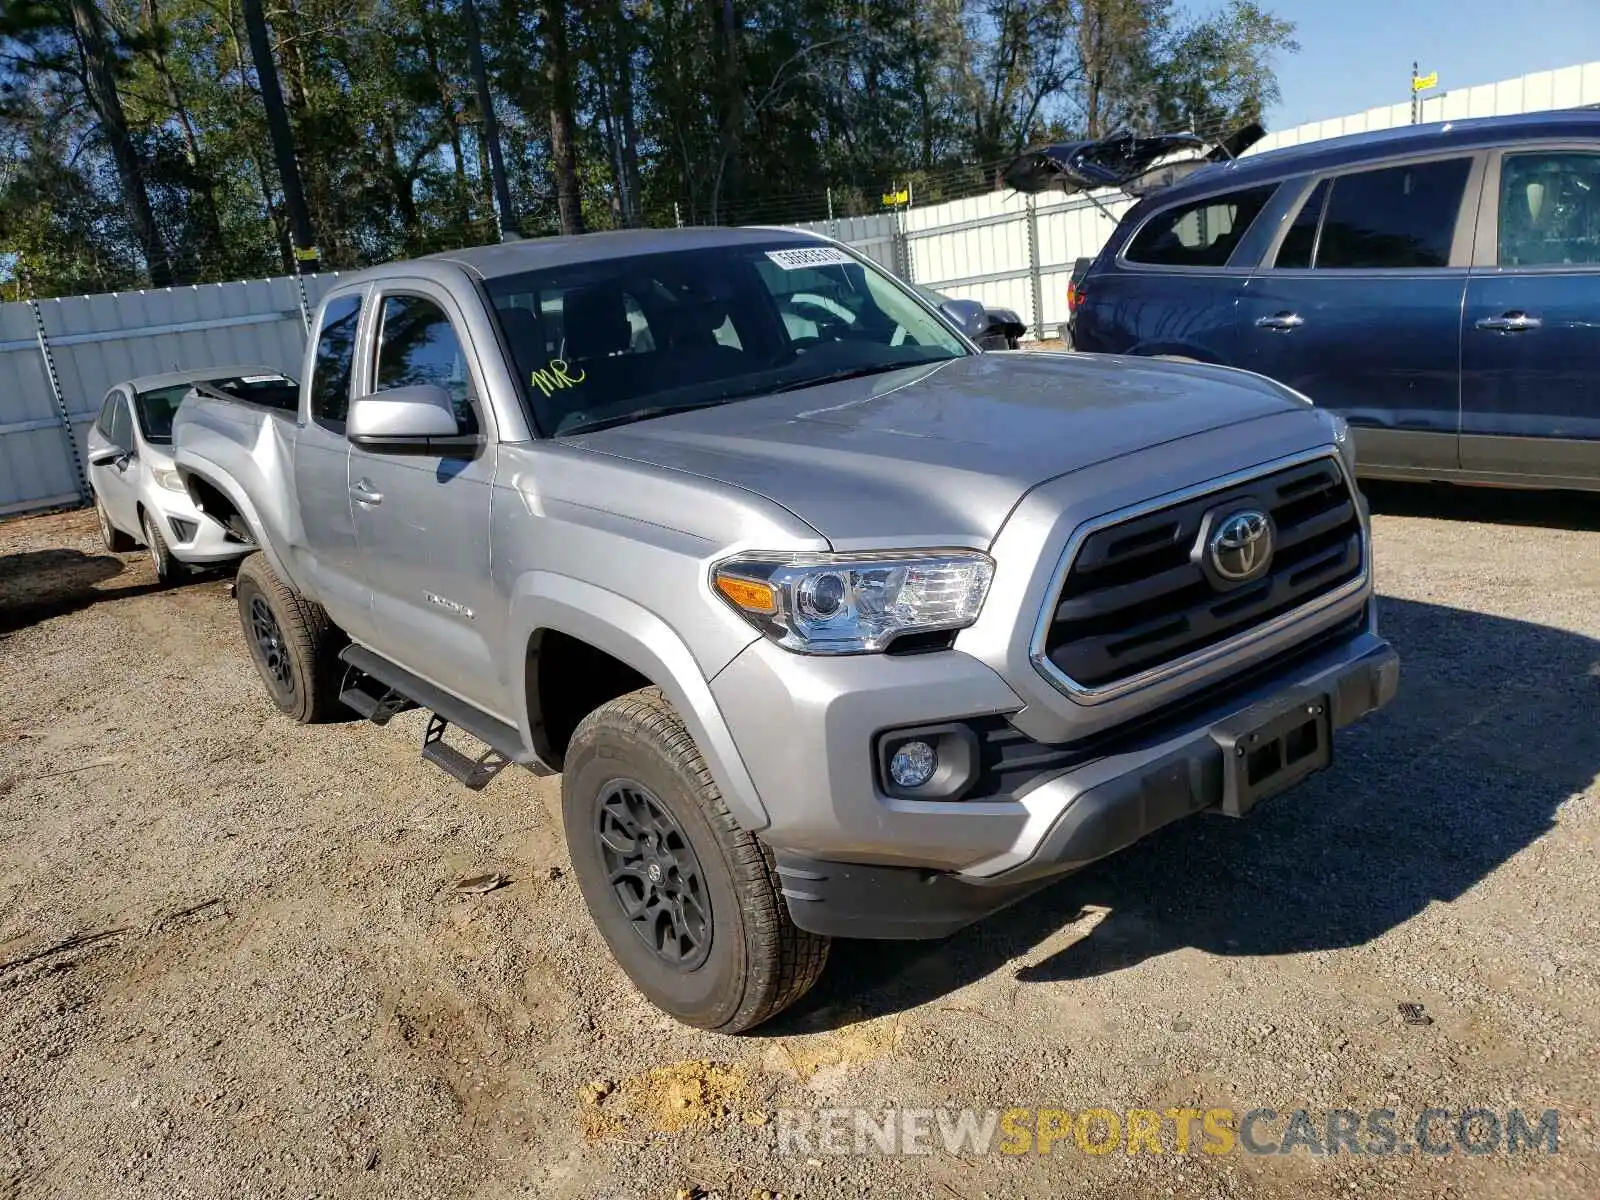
[[168, 478], [854, 603]]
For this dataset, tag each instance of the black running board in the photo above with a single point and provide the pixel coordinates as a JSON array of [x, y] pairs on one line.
[[400, 689]]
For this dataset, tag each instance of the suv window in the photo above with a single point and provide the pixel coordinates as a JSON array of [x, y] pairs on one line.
[[330, 372], [1301, 241], [1393, 217], [417, 344], [1202, 234], [1550, 209]]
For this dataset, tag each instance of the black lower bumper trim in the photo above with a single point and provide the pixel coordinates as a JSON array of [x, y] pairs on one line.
[[855, 900], [1117, 800]]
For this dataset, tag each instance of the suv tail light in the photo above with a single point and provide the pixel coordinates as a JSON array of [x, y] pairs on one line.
[[1074, 296]]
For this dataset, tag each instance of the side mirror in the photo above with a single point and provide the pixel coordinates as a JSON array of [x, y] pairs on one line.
[[969, 316], [106, 454], [419, 419]]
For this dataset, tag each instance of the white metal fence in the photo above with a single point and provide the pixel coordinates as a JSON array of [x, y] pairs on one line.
[[58, 357]]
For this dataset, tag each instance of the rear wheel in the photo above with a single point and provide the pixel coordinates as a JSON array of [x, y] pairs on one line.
[[293, 644], [686, 899], [115, 540]]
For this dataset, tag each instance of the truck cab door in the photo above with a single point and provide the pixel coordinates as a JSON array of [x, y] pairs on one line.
[[326, 548], [1530, 354], [1358, 306], [422, 519]]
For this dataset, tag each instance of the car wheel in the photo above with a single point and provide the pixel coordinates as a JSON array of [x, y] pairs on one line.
[[293, 644], [687, 900], [115, 540], [167, 567]]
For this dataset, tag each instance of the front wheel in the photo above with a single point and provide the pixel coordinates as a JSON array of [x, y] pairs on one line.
[[687, 900], [293, 644], [167, 568]]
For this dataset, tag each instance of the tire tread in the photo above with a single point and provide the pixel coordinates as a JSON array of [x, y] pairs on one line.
[[786, 961], [316, 639]]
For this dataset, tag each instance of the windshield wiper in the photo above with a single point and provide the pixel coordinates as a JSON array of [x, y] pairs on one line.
[[848, 373], [638, 414]]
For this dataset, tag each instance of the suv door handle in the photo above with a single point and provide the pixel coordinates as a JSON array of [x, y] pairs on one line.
[[363, 494], [1511, 322], [1282, 320]]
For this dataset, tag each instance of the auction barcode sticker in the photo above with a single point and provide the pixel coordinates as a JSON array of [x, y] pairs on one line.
[[812, 256]]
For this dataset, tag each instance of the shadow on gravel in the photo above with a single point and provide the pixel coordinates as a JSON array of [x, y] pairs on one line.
[[1491, 506], [36, 585], [1497, 723]]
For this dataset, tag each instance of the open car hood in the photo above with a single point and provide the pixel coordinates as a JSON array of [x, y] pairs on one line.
[[1125, 161]]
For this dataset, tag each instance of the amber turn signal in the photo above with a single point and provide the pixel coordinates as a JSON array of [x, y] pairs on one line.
[[749, 595]]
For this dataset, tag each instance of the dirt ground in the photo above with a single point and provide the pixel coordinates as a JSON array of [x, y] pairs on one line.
[[234, 960]]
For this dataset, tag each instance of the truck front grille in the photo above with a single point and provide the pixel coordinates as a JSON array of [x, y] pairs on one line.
[[1138, 597]]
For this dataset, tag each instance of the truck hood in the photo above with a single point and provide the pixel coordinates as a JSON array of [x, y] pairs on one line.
[[939, 455]]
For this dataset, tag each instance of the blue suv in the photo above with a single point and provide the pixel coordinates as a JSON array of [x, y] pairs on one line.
[[1437, 285]]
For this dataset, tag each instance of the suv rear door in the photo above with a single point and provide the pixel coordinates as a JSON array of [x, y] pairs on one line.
[[1173, 286], [1358, 303], [1530, 355]]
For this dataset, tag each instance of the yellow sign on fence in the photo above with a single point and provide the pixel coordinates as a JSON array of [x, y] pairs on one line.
[[903, 196], [1421, 83]]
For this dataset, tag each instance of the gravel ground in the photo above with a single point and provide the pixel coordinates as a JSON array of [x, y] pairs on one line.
[[234, 961]]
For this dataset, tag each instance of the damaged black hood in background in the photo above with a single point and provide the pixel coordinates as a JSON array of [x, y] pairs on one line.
[[1124, 161]]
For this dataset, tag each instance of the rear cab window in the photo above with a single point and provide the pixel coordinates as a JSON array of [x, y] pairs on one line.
[[333, 364], [1202, 233], [155, 409]]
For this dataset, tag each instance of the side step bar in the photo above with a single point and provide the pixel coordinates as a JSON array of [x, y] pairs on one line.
[[399, 690]]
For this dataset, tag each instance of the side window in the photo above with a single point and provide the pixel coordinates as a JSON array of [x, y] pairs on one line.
[[1301, 240], [1550, 209], [1201, 234], [1393, 217], [336, 354], [121, 431], [107, 408], [417, 344]]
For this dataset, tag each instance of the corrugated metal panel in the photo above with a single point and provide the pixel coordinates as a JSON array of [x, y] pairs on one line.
[[97, 341]]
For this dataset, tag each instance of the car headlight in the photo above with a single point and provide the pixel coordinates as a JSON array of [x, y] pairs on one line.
[[854, 603], [168, 478]]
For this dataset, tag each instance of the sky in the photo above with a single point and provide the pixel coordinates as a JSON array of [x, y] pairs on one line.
[[1357, 54]]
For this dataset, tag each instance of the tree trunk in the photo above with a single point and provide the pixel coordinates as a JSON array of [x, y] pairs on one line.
[[730, 163], [563, 153], [294, 200], [449, 114], [209, 221], [634, 208], [491, 127], [101, 86]]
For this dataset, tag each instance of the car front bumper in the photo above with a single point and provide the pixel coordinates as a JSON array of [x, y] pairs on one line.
[[856, 863], [191, 535]]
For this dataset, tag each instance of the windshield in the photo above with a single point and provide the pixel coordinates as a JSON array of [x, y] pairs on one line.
[[605, 342], [156, 408]]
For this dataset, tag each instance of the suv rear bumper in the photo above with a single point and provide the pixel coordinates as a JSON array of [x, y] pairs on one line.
[[1094, 810]]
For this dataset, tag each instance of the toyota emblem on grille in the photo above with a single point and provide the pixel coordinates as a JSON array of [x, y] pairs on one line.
[[1241, 547]]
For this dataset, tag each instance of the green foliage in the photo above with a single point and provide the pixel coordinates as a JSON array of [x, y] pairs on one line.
[[726, 111]]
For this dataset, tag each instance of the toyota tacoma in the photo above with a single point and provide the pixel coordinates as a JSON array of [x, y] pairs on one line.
[[832, 625]]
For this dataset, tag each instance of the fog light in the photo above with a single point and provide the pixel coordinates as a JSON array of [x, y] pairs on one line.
[[913, 764]]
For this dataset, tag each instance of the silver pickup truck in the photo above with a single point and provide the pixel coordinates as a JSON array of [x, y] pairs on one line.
[[832, 625]]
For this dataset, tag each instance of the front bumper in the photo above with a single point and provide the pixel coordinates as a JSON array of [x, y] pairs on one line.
[[191, 535], [1079, 814]]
